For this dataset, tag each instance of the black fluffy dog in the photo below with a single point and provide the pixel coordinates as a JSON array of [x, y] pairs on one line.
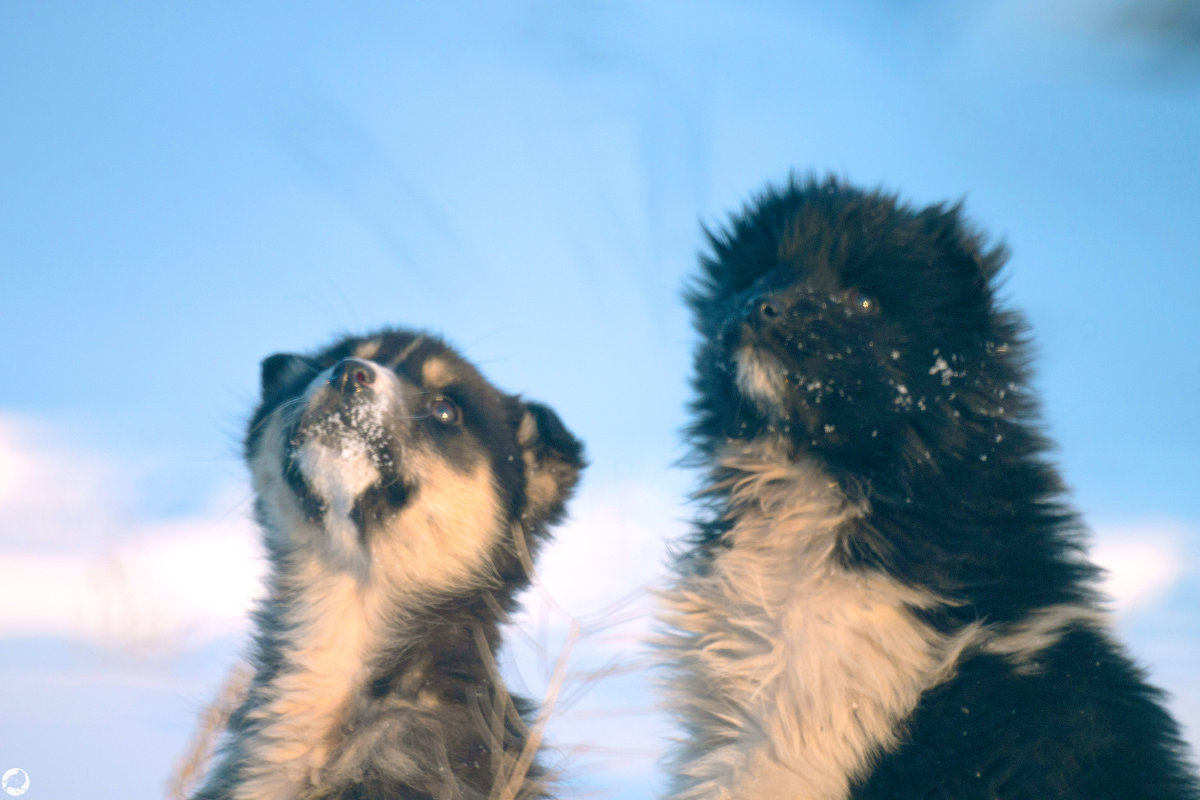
[[887, 596]]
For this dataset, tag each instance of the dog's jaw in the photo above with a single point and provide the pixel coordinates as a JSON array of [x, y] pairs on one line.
[[759, 379], [337, 476]]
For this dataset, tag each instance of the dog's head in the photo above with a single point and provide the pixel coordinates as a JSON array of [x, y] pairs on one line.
[[391, 455], [849, 326]]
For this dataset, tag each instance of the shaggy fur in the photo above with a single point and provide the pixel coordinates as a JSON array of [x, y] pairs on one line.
[[886, 595], [401, 496]]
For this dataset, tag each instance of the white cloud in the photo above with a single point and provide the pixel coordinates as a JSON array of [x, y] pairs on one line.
[[1143, 560], [78, 565], [172, 584], [51, 494]]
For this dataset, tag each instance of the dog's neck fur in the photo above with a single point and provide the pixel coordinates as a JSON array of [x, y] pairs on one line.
[[327, 626], [333, 646], [795, 671]]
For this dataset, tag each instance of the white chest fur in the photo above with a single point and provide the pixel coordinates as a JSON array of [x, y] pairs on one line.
[[790, 672]]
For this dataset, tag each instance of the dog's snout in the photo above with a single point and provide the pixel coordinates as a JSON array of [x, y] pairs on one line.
[[352, 375]]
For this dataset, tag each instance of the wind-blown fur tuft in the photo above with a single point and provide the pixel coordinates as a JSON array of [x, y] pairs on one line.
[[887, 594], [402, 498]]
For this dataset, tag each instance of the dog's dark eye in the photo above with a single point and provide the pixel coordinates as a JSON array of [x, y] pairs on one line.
[[861, 302], [444, 410]]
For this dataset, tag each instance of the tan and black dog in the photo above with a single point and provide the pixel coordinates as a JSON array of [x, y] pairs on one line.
[[401, 497]]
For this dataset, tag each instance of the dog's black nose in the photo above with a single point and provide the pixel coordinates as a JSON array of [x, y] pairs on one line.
[[769, 310], [766, 310], [352, 375]]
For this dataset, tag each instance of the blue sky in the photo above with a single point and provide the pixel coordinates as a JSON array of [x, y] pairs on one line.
[[185, 189]]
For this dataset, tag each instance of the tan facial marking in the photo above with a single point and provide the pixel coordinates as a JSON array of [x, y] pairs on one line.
[[367, 350], [442, 539], [407, 351], [436, 373]]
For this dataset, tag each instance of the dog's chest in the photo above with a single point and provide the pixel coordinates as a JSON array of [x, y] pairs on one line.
[[796, 670], [333, 627]]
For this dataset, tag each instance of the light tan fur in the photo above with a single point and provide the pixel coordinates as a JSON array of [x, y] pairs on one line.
[[436, 373], [759, 378], [1021, 642], [367, 349], [442, 539], [336, 623], [790, 671]]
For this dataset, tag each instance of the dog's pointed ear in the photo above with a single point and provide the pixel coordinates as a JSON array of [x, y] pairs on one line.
[[553, 459], [283, 369]]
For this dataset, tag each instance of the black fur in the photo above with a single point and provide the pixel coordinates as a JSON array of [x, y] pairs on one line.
[[897, 369], [426, 716]]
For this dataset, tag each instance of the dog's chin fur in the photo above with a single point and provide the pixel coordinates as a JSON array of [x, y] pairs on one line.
[[401, 498], [886, 595]]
